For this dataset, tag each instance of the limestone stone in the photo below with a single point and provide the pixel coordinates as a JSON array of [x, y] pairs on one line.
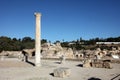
[[118, 48], [115, 56], [62, 59], [62, 72], [69, 53], [97, 64], [87, 64], [107, 65], [29, 52], [56, 51], [37, 39], [98, 49], [79, 55], [113, 48], [101, 64]]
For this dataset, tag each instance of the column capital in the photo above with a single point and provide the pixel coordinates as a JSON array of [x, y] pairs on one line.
[[37, 14]]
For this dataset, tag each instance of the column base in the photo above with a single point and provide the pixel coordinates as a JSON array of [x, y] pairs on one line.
[[37, 64]]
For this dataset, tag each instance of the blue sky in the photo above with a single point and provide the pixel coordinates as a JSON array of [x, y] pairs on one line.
[[61, 19]]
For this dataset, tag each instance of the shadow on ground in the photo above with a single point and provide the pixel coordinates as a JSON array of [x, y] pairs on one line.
[[51, 74], [58, 62], [79, 65], [93, 78], [115, 77], [31, 63]]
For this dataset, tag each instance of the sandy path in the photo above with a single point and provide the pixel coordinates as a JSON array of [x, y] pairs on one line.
[[17, 70]]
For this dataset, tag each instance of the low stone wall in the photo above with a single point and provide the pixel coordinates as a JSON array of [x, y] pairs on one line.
[[97, 64], [101, 65], [115, 61]]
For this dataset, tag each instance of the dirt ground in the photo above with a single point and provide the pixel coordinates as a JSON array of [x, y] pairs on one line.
[[14, 69]]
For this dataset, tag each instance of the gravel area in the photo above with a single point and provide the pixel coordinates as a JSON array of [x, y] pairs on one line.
[[13, 69]]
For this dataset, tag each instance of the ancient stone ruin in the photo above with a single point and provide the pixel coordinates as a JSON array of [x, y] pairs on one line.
[[97, 64], [62, 72], [92, 58], [56, 51]]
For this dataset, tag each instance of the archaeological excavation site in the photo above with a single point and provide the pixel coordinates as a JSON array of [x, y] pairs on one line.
[[57, 61]]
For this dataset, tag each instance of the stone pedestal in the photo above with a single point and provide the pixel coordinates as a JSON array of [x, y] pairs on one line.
[[62, 59], [87, 64], [37, 39], [62, 72]]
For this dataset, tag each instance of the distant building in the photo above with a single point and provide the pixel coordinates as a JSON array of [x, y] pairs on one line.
[[72, 43], [108, 43]]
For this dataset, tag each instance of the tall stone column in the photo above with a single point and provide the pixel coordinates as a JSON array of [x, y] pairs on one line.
[[38, 40]]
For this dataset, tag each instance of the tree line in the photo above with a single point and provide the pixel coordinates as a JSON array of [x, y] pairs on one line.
[[91, 43], [14, 44]]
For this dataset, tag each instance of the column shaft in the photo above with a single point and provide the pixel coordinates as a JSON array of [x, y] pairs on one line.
[[38, 40]]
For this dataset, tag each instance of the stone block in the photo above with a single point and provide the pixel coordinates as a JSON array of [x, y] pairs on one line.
[[97, 64], [101, 65], [87, 65], [107, 65], [62, 72]]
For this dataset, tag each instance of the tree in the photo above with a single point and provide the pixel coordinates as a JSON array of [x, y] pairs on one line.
[[43, 41], [27, 39], [5, 43], [27, 43], [65, 44]]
